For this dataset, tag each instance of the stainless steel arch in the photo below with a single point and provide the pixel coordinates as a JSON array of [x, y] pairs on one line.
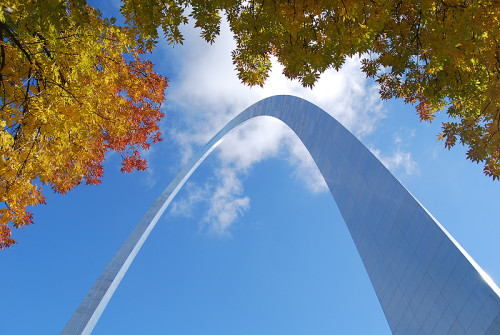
[[425, 282]]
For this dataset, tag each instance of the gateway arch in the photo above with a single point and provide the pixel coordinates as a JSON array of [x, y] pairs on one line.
[[425, 282]]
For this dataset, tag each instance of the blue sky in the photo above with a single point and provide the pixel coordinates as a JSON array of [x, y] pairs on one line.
[[253, 243]]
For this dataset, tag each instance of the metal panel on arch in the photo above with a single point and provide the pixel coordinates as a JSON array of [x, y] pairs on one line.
[[425, 282]]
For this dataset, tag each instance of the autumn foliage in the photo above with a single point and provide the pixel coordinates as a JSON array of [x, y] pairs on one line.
[[440, 55], [73, 86]]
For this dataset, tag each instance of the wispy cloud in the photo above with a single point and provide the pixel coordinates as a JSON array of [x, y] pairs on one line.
[[400, 160], [185, 206], [206, 94], [223, 196], [226, 203], [306, 169]]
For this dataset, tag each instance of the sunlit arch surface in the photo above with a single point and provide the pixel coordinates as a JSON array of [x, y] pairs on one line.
[[425, 282]]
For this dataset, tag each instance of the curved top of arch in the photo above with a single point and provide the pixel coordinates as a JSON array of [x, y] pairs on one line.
[[417, 269]]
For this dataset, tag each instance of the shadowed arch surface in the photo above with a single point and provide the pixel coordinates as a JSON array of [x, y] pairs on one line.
[[425, 282]]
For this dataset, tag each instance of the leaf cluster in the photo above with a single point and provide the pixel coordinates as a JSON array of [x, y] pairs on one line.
[[73, 86], [440, 55]]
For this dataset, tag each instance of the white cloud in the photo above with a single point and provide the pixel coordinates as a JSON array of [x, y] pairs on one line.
[[400, 160], [226, 203], [257, 140], [206, 93], [224, 198], [184, 206], [306, 169]]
